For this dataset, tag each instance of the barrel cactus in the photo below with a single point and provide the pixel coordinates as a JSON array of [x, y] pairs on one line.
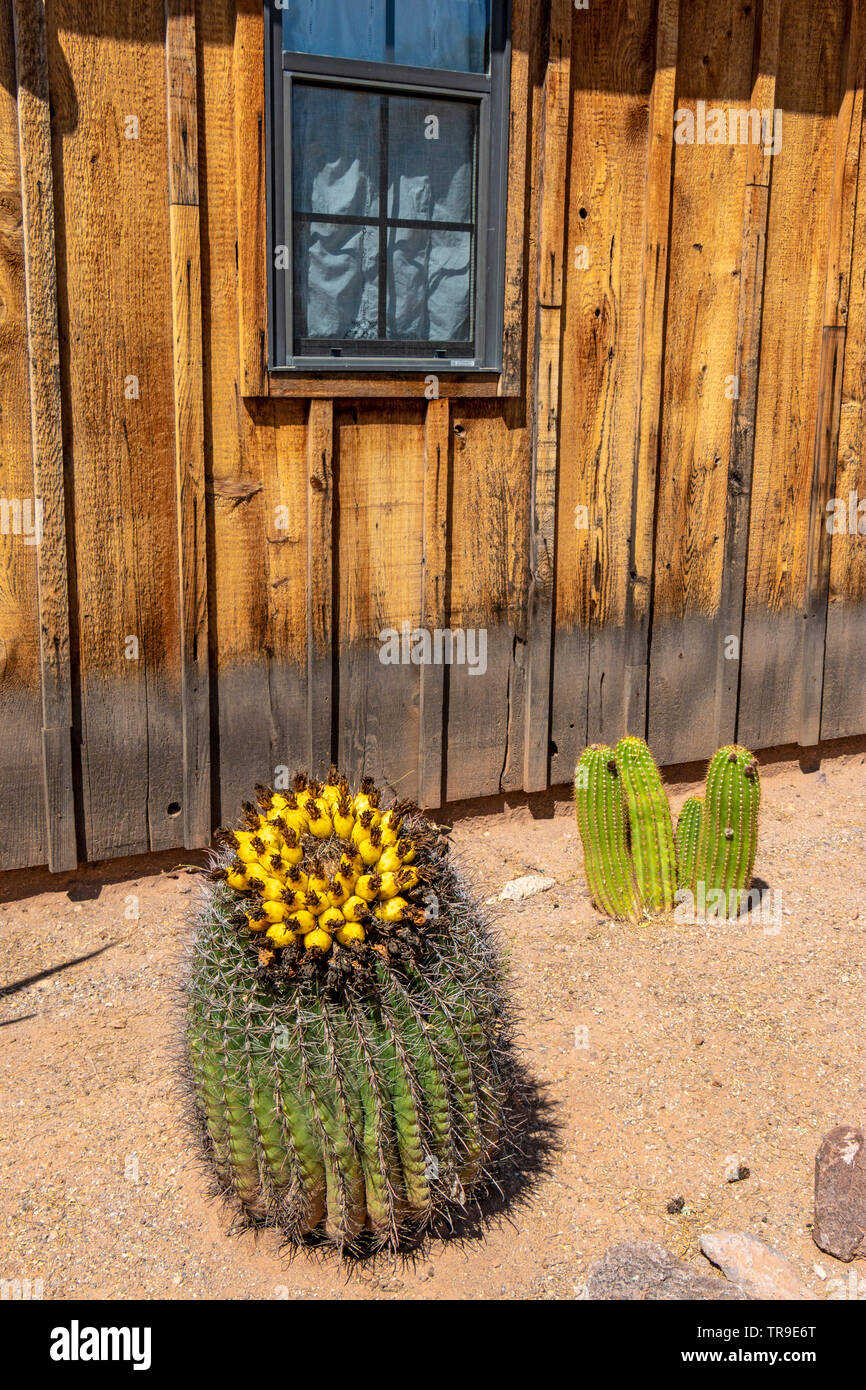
[[728, 839], [348, 1037]]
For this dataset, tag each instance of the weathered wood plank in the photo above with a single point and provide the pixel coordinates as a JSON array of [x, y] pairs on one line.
[[378, 594], [434, 567], [546, 395], [729, 624], [700, 351], [516, 228], [657, 213], [249, 112], [115, 296], [844, 699], [486, 599], [22, 817], [185, 233], [811, 63], [837, 290], [320, 584], [612, 61], [37, 192]]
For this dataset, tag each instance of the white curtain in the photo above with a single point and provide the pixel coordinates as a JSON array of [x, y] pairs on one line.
[[336, 155]]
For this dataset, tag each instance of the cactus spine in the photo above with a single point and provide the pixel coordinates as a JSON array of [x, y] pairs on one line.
[[347, 1094], [652, 835], [601, 821], [688, 835], [729, 827]]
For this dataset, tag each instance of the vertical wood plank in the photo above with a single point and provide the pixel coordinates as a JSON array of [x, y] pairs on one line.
[[612, 65], [22, 818], [185, 237], [37, 189], [249, 97], [545, 406], [811, 62], [517, 227], [837, 288], [434, 563], [320, 584], [746, 371], [657, 213]]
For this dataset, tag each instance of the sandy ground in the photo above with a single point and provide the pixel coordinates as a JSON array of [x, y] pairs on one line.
[[665, 1053]]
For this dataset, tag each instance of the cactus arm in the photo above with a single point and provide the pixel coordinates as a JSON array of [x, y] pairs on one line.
[[728, 839], [601, 823], [688, 834], [652, 836]]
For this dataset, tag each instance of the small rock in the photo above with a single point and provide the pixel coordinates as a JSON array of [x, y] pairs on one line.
[[641, 1270], [840, 1193], [676, 1205], [759, 1270], [519, 888], [737, 1171]]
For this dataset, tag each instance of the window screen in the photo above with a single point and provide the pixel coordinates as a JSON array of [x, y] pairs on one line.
[[387, 123]]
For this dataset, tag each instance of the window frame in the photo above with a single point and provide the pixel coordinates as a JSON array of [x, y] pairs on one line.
[[491, 92]]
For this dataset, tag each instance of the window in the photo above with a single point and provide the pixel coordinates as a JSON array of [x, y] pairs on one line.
[[387, 125]]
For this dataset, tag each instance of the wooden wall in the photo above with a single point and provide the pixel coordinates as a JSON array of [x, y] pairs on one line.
[[170, 642]]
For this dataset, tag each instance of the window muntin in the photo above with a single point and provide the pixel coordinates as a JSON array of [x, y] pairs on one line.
[[450, 35], [392, 241]]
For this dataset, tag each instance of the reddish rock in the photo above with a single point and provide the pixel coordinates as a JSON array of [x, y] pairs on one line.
[[840, 1194], [758, 1269]]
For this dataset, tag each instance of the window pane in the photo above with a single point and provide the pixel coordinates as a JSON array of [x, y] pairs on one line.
[[335, 150], [336, 276], [336, 28], [450, 34], [431, 179], [430, 285], [447, 34]]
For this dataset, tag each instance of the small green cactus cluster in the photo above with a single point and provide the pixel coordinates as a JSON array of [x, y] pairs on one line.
[[633, 865], [349, 1097]]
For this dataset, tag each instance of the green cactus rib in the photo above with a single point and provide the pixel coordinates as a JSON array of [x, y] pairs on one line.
[[652, 836], [688, 834], [729, 827], [322, 1114], [601, 823]]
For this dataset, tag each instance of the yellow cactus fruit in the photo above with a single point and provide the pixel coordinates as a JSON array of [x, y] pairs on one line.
[[331, 920], [350, 865], [275, 911], [256, 922], [370, 849], [302, 920], [356, 909], [280, 934], [389, 861], [244, 848], [406, 850], [315, 902], [318, 881], [390, 885], [338, 891], [236, 878], [256, 877], [272, 890], [407, 879], [317, 938], [394, 910], [368, 886], [351, 931], [344, 820], [321, 824]]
